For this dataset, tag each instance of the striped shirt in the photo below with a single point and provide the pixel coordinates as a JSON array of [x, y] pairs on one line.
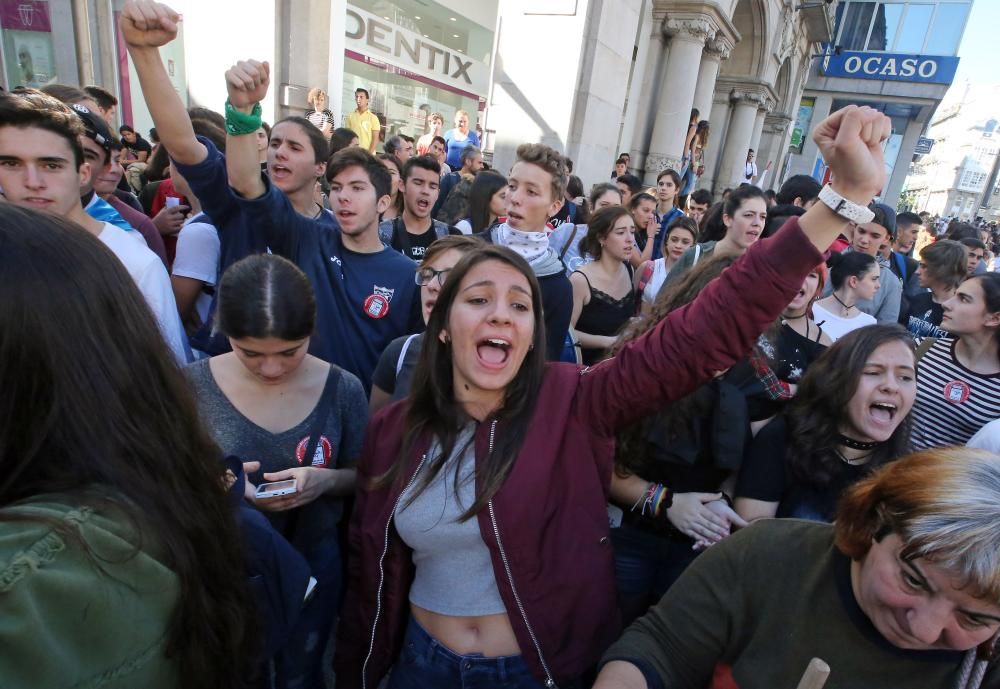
[[952, 403]]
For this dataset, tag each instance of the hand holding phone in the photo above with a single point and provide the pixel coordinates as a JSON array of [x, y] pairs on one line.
[[276, 489]]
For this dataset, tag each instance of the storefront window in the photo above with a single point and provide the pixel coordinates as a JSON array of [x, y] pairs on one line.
[[416, 58], [28, 55]]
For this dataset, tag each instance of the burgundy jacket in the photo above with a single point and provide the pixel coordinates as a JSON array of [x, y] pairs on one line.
[[553, 560]]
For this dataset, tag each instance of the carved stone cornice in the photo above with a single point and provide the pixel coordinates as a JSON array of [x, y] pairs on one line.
[[719, 47], [777, 123], [696, 27]]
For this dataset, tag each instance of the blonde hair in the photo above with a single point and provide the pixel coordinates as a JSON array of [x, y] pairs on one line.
[[462, 112], [943, 503], [313, 93], [549, 160]]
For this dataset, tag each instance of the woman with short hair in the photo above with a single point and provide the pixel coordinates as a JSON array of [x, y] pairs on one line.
[[902, 590], [318, 113]]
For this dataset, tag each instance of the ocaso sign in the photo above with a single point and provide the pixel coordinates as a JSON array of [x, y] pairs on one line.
[[928, 69]]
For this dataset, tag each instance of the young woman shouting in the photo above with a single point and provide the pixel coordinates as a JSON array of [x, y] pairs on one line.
[[482, 497]]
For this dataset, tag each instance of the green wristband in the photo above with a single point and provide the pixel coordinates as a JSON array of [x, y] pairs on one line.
[[240, 123]]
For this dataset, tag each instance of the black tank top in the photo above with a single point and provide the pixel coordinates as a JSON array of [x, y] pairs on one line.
[[603, 315]]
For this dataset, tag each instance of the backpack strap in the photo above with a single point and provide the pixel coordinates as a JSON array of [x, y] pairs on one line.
[[402, 353], [923, 347], [569, 242], [901, 264]]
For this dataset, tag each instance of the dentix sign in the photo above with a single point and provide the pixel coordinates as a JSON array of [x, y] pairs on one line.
[[381, 40]]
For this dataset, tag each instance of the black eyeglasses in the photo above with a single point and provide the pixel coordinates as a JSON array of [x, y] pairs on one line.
[[425, 275]]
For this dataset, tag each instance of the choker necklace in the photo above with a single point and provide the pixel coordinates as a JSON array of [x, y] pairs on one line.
[[795, 318], [847, 307], [856, 444]]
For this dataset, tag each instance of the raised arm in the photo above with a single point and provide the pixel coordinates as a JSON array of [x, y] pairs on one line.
[[247, 83], [731, 312], [146, 26]]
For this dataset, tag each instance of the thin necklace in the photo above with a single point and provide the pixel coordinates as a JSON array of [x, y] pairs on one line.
[[319, 212], [847, 307], [857, 461]]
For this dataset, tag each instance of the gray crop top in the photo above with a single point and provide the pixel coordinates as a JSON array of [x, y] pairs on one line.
[[454, 570]]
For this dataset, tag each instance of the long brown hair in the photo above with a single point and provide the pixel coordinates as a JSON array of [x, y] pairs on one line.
[[95, 408], [631, 456], [433, 408]]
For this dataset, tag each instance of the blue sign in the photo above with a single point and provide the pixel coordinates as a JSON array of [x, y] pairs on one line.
[[925, 69]]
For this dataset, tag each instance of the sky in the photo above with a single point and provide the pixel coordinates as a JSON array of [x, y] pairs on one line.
[[977, 50]]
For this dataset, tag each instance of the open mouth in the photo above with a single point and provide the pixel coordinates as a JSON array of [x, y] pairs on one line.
[[883, 412], [493, 352], [345, 216], [753, 235], [423, 205], [280, 171]]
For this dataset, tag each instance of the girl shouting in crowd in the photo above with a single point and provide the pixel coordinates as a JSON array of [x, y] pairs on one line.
[[850, 416], [483, 493]]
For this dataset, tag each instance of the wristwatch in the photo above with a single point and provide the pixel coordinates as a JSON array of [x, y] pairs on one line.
[[848, 210]]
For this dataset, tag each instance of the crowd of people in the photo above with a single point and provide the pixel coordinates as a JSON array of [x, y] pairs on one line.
[[271, 393]]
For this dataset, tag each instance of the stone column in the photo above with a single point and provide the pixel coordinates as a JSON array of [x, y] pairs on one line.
[[636, 133], [774, 142], [688, 35], [741, 124], [722, 110], [716, 50]]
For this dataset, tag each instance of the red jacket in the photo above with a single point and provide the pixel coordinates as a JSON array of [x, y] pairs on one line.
[[553, 561]]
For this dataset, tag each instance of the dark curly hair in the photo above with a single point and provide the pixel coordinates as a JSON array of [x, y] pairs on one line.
[[819, 408]]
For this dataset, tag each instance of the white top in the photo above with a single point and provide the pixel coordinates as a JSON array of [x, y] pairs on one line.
[[988, 437], [656, 281], [151, 277], [837, 326], [464, 225], [197, 257]]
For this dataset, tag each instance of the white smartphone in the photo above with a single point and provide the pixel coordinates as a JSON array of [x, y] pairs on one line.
[[273, 490], [172, 201]]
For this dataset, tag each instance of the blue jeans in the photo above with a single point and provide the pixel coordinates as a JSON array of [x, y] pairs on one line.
[[646, 565], [299, 664], [425, 663]]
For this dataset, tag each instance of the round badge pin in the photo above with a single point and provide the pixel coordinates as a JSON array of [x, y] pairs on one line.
[[376, 306]]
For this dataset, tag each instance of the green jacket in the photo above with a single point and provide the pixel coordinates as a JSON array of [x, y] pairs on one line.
[[66, 623]]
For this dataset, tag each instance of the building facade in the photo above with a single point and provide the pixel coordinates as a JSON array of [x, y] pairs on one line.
[[896, 56], [592, 78], [957, 179]]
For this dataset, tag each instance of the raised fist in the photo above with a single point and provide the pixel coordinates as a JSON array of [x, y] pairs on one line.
[[147, 24], [247, 83], [851, 142]]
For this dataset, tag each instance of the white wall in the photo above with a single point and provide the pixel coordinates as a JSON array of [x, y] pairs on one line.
[[216, 35]]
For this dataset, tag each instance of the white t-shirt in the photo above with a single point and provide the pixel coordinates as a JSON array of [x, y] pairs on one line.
[[151, 277], [197, 257], [837, 326], [464, 225]]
